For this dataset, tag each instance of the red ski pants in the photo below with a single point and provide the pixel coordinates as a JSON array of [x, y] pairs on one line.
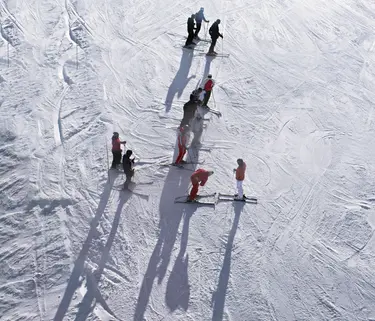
[[181, 153], [194, 191]]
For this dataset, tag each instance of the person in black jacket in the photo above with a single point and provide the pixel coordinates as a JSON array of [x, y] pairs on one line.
[[127, 165], [190, 29], [214, 33], [189, 112]]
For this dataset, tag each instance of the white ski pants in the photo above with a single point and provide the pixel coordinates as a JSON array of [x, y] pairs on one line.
[[239, 189]]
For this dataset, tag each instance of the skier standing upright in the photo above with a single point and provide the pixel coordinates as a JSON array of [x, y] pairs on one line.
[[240, 176], [199, 17], [214, 33], [208, 85], [199, 177], [127, 165], [116, 149], [190, 30], [182, 142]]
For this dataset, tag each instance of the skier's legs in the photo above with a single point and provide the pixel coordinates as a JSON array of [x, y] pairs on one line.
[[213, 44], [239, 189], [197, 29], [181, 153], [189, 39], [129, 176], [116, 158], [194, 191], [206, 98]]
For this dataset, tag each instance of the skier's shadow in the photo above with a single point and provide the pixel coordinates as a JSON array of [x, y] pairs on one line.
[[180, 80], [218, 298], [78, 269], [176, 184]]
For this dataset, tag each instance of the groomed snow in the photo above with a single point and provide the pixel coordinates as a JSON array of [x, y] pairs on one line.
[[297, 99]]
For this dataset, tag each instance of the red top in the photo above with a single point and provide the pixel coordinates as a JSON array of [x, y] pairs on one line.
[[200, 175], [116, 144], [240, 172], [208, 85]]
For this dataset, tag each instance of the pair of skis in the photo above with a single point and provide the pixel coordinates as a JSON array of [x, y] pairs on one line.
[[211, 199]]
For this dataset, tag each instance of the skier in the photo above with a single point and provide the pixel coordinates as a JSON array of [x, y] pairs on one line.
[[240, 176], [127, 165], [189, 112], [199, 17], [197, 130], [199, 177], [195, 95], [209, 84], [190, 29], [116, 150], [214, 33], [182, 141]]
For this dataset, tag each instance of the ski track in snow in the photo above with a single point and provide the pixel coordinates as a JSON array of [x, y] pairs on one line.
[[296, 97]]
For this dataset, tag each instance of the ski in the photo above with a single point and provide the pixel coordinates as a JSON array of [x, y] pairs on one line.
[[184, 199], [231, 197], [182, 164], [213, 55]]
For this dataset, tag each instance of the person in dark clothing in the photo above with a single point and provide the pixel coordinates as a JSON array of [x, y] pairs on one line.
[[127, 165], [214, 33], [116, 150], [190, 30], [195, 95], [199, 17], [189, 112]]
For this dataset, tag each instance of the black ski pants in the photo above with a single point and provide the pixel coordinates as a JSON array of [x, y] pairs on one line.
[[206, 98], [213, 44], [129, 176], [197, 29], [116, 158], [190, 38]]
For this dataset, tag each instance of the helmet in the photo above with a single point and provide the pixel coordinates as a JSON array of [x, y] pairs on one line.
[[116, 134], [218, 21], [240, 161], [201, 9], [209, 76]]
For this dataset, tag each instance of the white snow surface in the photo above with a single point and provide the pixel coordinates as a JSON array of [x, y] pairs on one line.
[[297, 99]]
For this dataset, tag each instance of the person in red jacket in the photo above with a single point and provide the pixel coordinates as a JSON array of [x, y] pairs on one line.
[[199, 177], [208, 86], [182, 141], [116, 149]]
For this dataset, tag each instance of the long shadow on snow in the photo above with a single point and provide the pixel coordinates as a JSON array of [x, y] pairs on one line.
[[85, 307], [221, 291], [176, 184], [180, 80], [178, 288], [78, 268]]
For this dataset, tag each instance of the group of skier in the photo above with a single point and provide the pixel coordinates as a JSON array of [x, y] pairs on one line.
[[192, 121], [194, 22]]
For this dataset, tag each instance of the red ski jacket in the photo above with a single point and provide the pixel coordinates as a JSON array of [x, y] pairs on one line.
[[199, 176], [116, 144], [209, 85]]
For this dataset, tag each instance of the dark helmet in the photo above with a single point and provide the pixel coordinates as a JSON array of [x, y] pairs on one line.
[[218, 21], [128, 153], [116, 134], [240, 161]]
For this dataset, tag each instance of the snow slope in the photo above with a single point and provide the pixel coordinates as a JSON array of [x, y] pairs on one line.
[[297, 100]]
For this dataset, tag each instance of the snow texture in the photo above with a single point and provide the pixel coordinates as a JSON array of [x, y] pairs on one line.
[[297, 101]]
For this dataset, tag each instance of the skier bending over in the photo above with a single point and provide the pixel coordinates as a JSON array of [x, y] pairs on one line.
[[116, 149], [189, 112], [199, 177], [199, 17], [127, 165], [182, 141], [240, 176], [214, 33], [190, 30]]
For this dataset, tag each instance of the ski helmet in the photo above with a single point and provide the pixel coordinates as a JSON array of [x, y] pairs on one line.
[[209, 76], [240, 161], [116, 134], [218, 21]]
